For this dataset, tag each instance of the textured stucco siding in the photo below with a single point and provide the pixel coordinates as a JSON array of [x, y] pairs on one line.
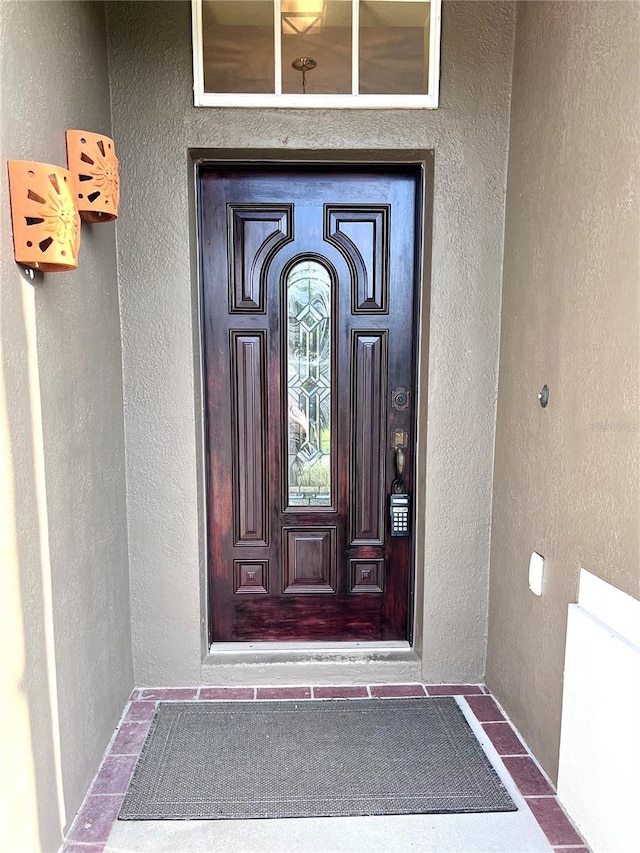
[[566, 477], [67, 666]]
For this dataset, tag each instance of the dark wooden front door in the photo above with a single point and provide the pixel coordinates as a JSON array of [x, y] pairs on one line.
[[308, 281]]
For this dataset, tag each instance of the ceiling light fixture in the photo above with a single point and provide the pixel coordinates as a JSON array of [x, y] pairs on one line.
[[304, 64], [299, 17]]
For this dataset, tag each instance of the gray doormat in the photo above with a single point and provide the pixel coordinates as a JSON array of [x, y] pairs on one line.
[[217, 760]]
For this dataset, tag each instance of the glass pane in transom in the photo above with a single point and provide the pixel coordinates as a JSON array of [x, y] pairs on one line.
[[316, 47], [238, 49], [394, 47]]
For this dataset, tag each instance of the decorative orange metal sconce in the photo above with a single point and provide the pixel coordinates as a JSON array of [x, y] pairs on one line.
[[93, 165], [46, 225]]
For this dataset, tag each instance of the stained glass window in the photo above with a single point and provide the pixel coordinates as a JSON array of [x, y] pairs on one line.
[[309, 374]]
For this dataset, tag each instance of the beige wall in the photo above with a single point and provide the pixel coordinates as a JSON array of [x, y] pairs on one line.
[[566, 477], [156, 125], [64, 600]]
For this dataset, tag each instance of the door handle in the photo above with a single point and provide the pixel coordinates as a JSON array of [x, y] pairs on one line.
[[398, 486], [400, 460]]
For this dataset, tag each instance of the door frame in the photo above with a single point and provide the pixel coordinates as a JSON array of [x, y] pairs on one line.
[[397, 661]]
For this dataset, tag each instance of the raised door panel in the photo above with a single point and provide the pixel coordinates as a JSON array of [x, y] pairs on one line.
[[309, 560], [255, 233], [367, 575], [361, 233], [250, 481], [368, 437], [251, 577]]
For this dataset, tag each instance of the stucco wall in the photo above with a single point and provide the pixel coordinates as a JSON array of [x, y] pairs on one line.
[[566, 477], [156, 124], [66, 660]]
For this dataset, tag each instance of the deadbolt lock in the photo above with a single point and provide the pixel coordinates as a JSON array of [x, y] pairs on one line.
[[400, 399]]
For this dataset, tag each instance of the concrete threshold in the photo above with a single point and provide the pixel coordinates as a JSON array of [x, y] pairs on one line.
[[242, 664]]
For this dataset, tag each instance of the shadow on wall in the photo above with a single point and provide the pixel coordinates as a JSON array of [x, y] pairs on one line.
[[32, 788]]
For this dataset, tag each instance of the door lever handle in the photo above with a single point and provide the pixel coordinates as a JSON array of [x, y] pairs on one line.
[[400, 460]]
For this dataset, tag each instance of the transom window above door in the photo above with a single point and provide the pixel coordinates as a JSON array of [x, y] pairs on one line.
[[316, 53]]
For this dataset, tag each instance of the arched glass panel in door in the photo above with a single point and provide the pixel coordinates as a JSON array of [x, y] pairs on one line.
[[308, 301]]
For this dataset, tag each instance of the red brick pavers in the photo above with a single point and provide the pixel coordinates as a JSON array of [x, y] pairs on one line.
[[485, 709], [504, 738], [228, 693], [95, 819], [140, 712], [530, 781], [527, 776], [114, 774], [283, 693], [454, 689], [92, 825], [170, 694], [553, 821], [353, 692], [129, 739], [397, 691]]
